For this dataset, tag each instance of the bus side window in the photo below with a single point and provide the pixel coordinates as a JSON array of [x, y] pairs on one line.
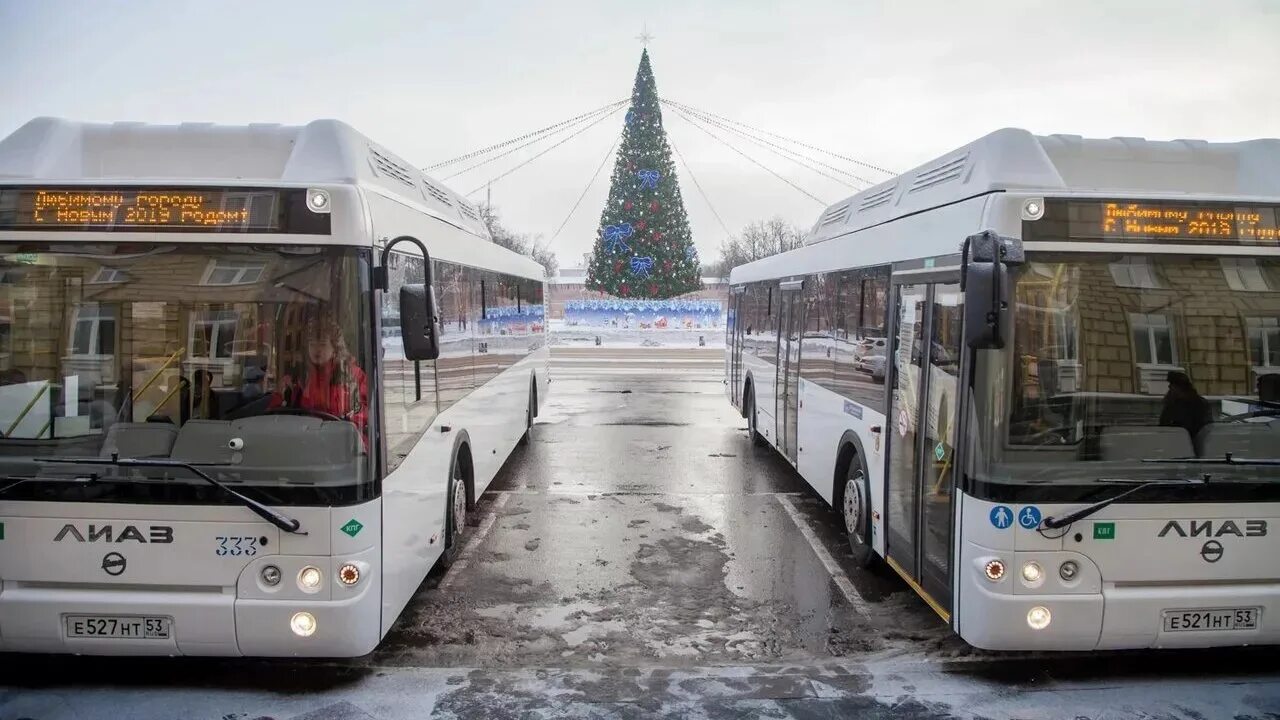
[[408, 387]]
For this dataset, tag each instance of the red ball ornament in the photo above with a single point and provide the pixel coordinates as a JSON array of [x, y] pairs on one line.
[[624, 290], [666, 265], [617, 266], [626, 205], [653, 289], [654, 206], [640, 225], [657, 234]]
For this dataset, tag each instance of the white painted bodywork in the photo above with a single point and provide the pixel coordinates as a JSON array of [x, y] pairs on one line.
[[922, 218], [218, 604]]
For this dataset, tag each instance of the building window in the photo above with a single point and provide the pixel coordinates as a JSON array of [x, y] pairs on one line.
[[232, 272], [1153, 339], [1134, 272], [1264, 341], [213, 334], [1243, 274], [107, 276], [93, 330]]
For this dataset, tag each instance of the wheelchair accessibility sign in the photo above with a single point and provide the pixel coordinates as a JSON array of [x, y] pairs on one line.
[[1029, 518]]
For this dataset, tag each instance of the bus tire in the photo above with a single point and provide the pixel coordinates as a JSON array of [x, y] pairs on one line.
[[855, 508], [455, 518], [756, 438], [530, 411]]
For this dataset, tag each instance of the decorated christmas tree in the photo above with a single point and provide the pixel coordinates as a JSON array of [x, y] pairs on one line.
[[644, 248]]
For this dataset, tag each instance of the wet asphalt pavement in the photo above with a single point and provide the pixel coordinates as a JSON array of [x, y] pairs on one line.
[[641, 559]]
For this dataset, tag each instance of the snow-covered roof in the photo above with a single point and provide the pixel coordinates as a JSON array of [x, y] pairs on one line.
[[1013, 159], [50, 149]]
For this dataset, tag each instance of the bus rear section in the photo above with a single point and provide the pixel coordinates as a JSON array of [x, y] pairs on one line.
[[179, 478]]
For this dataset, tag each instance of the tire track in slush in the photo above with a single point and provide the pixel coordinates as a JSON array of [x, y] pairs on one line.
[[473, 542], [838, 576]]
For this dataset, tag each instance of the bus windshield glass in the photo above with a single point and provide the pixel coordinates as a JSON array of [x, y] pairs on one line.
[[250, 362], [1118, 360]]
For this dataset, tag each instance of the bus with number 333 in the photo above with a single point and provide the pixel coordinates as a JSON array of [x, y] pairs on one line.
[[252, 381]]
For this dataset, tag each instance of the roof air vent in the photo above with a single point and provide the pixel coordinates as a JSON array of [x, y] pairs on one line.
[[877, 198], [385, 166], [836, 215], [435, 192], [945, 171]]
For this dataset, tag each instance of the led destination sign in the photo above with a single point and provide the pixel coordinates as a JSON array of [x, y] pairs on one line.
[[1157, 221], [1148, 220], [158, 209]]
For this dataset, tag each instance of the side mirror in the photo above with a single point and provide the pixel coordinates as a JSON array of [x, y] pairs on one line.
[[984, 278], [419, 323]]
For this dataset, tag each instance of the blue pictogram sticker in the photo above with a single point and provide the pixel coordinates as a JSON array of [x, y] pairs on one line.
[[1029, 518], [1001, 517], [853, 409]]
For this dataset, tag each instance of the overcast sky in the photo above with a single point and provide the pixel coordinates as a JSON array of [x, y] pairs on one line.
[[893, 83]]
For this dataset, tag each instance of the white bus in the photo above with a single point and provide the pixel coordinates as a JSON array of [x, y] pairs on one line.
[[1038, 377], [233, 422]]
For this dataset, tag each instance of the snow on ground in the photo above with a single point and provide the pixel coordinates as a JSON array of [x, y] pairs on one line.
[[564, 335]]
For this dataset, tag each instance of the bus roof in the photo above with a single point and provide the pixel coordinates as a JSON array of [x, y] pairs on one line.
[[1013, 159], [50, 150]]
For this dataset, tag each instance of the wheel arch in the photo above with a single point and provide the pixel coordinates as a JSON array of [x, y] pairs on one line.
[[848, 449], [461, 457]]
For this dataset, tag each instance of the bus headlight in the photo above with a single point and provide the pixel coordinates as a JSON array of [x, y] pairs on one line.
[[309, 578], [994, 570], [349, 574], [1032, 573], [303, 624], [270, 575], [1039, 617], [1069, 570]]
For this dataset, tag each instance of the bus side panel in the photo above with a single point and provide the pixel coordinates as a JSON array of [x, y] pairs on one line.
[[825, 417], [414, 497]]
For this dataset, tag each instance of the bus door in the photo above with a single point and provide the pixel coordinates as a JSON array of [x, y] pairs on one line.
[[790, 326], [736, 331], [922, 441]]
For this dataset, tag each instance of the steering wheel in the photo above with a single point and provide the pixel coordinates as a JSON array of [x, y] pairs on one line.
[[305, 412]]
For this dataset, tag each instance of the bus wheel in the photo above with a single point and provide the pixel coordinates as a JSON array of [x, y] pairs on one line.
[[756, 438], [529, 412], [855, 507], [456, 517]]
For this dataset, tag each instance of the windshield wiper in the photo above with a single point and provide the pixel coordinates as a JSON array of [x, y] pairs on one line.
[[1054, 522], [271, 515], [1226, 459]]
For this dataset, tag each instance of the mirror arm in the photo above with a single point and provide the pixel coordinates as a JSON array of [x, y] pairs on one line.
[[381, 279]]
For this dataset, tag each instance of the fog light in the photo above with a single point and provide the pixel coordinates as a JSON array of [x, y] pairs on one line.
[[348, 574], [1031, 572], [270, 575], [303, 624], [309, 578], [1038, 617], [1068, 570], [995, 570]]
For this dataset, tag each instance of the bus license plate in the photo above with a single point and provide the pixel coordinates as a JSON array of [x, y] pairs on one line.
[[1217, 619], [117, 626]]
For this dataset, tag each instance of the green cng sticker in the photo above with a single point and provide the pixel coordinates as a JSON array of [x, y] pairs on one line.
[[939, 451], [1104, 531], [353, 527]]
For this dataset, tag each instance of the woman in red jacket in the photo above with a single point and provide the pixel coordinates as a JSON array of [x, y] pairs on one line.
[[333, 383]]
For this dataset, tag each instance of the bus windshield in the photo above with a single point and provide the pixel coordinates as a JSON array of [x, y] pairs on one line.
[[1117, 361], [249, 361]]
